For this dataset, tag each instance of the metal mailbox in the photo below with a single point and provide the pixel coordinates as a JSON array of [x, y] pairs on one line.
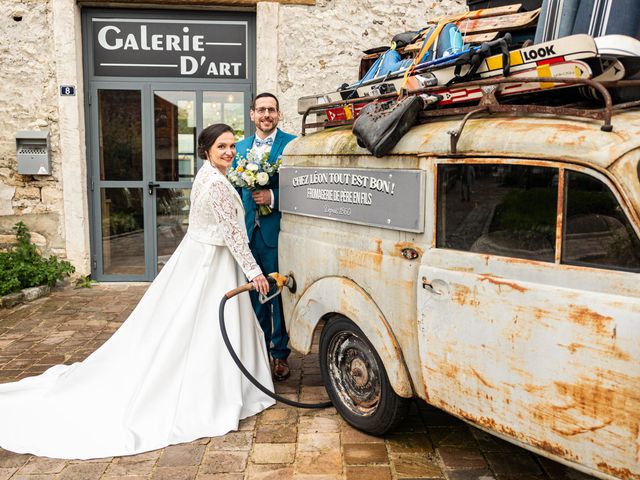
[[32, 152]]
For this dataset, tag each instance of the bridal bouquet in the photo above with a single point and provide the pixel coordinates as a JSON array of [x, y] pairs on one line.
[[252, 173]]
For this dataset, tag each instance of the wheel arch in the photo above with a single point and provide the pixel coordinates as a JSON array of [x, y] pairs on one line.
[[340, 295]]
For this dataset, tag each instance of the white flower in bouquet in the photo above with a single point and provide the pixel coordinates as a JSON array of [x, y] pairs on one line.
[[262, 178], [253, 172]]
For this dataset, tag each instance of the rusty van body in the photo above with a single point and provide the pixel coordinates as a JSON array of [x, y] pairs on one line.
[[500, 283]]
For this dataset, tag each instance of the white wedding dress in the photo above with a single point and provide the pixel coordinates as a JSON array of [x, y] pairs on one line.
[[165, 376]]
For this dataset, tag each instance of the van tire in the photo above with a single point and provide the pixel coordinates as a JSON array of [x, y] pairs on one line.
[[356, 380]]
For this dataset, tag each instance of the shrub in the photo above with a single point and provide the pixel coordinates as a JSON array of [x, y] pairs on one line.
[[23, 267]]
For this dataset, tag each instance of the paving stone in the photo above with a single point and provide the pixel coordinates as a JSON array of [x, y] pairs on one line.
[[273, 433], [313, 394], [317, 424], [309, 476], [273, 453], [41, 465], [6, 473], [232, 441], [223, 462], [181, 455], [218, 476], [130, 468], [414, 465], [318, 442], [269, 472], [521, 463], [452, 437], [128, 477], [277, 416], [174, 473], [455, 458], [351, 435], [318, 463], [490, 443], [44, 476], [248, 423], [368, 473], [474, 474], [12, 460], [438, 418], [411, 424], [320, 412], [312, 380], [82, 471], [409, 443], [365, 453]]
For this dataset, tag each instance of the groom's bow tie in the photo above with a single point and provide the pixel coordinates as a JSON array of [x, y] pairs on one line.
[[268, 142]]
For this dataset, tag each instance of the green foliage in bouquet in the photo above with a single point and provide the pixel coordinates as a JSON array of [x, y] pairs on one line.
[[254, 172], [23, 267]]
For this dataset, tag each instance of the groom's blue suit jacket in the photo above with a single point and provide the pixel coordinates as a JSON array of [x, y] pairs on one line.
[[269, 224]]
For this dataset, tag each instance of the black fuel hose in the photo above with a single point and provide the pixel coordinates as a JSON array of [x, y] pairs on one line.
[[245, 288]]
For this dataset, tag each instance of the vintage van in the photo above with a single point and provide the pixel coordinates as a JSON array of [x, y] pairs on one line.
[[500, 283]]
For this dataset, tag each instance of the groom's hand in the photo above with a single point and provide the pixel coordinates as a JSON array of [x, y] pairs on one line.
[[261, 197]]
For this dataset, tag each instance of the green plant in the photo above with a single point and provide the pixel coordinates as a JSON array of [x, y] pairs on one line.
[[85, 282], [23, 267]]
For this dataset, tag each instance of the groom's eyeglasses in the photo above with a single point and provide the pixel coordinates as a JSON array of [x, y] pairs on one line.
[[269, 110]]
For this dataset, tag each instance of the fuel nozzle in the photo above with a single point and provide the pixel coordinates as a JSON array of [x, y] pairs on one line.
[[277, 282]]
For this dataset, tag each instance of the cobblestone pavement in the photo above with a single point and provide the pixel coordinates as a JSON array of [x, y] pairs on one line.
[[280, 443]]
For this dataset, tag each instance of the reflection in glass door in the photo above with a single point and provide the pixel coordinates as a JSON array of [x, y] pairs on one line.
[[224, 107], [174, 121], [120, 175]]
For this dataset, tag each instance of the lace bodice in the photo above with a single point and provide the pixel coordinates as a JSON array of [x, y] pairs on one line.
[[217, 217]]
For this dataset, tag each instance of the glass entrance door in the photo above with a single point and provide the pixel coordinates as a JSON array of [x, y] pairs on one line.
[[144, 160]]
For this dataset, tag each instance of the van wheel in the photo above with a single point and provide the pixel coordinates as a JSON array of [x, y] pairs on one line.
[[356, 381]]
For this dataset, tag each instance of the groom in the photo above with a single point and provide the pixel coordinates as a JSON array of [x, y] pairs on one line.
[[263, 230]]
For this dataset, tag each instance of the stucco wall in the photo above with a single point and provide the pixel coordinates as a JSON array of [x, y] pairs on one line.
[[319, 47], [28, 101]]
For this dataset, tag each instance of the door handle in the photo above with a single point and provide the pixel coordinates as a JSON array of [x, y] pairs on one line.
[[151, 186], [436, 287]]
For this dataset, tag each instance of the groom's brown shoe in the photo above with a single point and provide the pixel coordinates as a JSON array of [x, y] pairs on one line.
[[280, 369]]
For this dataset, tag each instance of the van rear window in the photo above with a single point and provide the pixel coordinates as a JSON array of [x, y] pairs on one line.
[[498, 209]]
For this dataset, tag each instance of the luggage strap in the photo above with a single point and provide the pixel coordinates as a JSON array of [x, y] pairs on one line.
[[428, 42], [475, 57]]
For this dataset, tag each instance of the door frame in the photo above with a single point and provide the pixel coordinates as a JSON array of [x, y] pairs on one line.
[[147, 90], [147, 85]]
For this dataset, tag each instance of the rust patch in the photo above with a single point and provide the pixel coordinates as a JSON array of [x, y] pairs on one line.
[[357, 259], [571, 432], [379, 247], [588, 318], [491, 279], [591, 400], [462, 269], [573, 347], [460, 295], [482, 379], [623, 473]]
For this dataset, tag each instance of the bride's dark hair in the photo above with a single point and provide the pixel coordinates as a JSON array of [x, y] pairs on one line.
[[209, 135]]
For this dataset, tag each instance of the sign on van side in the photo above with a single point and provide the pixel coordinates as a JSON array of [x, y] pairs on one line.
[[376, 197]]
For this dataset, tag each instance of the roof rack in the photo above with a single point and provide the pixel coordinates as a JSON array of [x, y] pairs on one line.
[[489, 103]]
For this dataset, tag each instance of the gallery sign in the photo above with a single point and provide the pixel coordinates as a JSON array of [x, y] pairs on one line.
[[377, 197], [130, 47]]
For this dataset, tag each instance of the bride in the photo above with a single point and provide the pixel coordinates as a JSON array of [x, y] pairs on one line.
[[165, 376]]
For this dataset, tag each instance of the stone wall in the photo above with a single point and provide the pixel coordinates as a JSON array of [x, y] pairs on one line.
[[319, 47], [302, 50], [28, 100]]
